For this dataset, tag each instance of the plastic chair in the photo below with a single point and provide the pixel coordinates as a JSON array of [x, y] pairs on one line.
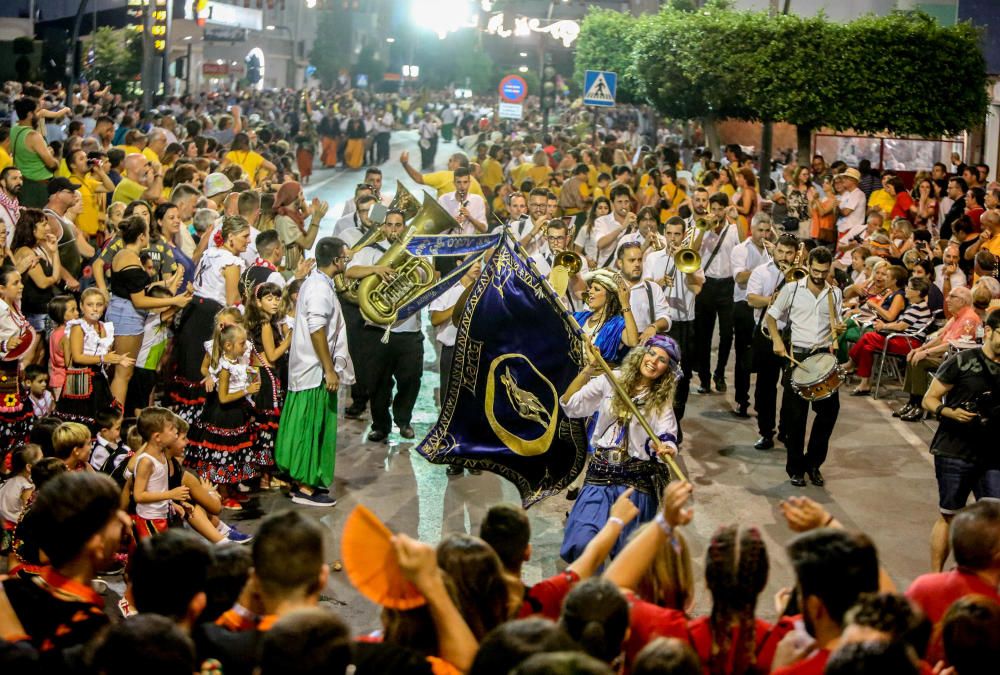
[[896, 363]]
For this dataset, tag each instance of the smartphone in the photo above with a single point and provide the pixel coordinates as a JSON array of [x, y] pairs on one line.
[[378, 212]]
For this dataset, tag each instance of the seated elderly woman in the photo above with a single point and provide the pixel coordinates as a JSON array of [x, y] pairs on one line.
[[910, 330], [923, 361]]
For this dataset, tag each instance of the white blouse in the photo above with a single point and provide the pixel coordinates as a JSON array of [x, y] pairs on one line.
[[12, 322], [596, 396], [239, 374], [209, 281], [93, 343]]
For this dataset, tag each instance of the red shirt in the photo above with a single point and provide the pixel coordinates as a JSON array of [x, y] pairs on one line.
[[648, 621], [902, 208], [935, 593], [546, 597], [767, 639], [814, 665]]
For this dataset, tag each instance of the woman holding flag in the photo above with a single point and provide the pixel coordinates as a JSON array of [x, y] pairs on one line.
[[608, 320], [625, 456]]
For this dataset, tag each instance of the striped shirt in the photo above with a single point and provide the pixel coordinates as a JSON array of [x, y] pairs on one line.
[[918, 318]]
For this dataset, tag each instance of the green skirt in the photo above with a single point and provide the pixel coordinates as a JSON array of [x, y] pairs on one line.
[[306, 446]]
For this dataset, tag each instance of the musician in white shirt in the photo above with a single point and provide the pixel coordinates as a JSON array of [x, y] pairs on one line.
[[745, 257], [538, 206], [361, 222], [680, 290], [716, 298], [649, 305], [347, 218], [609, 230], [373, 178], [469, 210], [557, 241], [812, 308], [764, 281]]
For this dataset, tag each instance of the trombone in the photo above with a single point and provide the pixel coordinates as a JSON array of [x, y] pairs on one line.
[[796, 272]]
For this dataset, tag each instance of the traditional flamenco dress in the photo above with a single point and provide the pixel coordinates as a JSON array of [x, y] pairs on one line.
[[221, 442], [267, 402], [16, 415]]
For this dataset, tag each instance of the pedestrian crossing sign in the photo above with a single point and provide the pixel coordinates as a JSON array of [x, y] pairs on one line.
[[599, 87]]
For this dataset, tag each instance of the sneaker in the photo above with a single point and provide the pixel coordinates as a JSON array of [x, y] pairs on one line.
[[232, 504], [315, 499], [238, 537]]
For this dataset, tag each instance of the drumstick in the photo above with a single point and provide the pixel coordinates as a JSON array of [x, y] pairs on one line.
[[792, 359]]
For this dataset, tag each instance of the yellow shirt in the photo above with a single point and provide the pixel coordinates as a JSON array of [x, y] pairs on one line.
[[129, 150], [5, 159], [444, 182], [881, 200], [993, 245], [728, 189], [128, 191], [63, 170], [674, 196], [150, 155], [592, 173], [250, 162], [519, 174], [492, 173], [93, 201], [539, 175], [600, 192]]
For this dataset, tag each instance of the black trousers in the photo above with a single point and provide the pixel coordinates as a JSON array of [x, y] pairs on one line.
[[794, 413], [400, 361], [714, 301], [427, 155], [358, 348], [743, 324], [381, 147], [444, 372], [683, 333], [765, 391]]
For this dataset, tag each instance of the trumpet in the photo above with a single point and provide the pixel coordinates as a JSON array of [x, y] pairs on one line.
[[565, 264]]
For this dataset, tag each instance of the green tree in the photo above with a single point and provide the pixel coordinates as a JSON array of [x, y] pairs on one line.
[[325, 56], [605, 43], [117, 57]]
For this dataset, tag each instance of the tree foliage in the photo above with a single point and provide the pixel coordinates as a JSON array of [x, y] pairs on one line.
[[326, 56], [117, 57], [873, 74]]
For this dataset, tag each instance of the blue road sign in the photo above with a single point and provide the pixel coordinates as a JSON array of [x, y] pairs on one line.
[[513, 89], [599, 87]]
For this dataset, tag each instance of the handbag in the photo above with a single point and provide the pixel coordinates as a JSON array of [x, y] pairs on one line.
[[79, 381]]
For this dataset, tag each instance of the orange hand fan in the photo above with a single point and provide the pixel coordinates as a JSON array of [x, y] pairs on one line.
[[370, 562]]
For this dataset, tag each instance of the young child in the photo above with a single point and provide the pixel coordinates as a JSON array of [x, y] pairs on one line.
[[205, 504], [187, 399], [36, 379], [109, 454], [156, 335], [151, 490], [71, 444], [270, 357], [222, 438], [90, 342], [62, 310], [15, 492]]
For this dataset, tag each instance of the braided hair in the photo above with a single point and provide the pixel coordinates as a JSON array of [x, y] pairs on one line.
[[735, 573]]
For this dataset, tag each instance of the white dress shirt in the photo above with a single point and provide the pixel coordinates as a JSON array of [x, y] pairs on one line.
[[447, 331], [543, 259], [808, 314], [679, 298], [369, 256], [721, 266], [745, 257], [317, 309], [763, 280], [474, 203], [645, 314], [602, 227]]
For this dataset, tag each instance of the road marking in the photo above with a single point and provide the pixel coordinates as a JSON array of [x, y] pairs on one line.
[[902, 428]]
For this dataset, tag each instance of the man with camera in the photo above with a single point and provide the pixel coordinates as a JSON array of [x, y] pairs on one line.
[[965, 397]]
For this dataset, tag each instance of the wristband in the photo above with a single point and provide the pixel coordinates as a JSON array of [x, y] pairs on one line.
[[616, 519], [664, 525], [938, 410], [626, 309]]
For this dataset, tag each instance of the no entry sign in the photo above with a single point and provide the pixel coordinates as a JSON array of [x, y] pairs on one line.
[[513, 89]]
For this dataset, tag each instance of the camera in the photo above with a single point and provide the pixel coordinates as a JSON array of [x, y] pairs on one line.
[[985, 407]]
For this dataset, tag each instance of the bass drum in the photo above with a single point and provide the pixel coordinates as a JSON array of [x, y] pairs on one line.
[[818, 377]]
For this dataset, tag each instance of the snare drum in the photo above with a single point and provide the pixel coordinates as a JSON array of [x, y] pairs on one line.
[[818, 377]]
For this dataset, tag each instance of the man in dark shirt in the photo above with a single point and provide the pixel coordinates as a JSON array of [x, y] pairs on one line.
[[957, 187], [76, 520], [965, 396]]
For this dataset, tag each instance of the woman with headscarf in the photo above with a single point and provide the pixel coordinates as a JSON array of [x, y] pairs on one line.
[[625, 457], [290, 213]]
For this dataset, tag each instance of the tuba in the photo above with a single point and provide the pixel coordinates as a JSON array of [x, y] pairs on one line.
[[348, 290], [404, 201], [380, 300]]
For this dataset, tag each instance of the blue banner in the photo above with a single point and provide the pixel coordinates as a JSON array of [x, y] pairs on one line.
[[516, 351], [450, 244], [435, 291]]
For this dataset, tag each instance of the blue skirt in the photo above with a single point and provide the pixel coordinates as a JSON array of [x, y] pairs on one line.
[[592, 510]]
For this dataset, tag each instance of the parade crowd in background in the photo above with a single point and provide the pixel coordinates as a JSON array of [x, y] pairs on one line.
[[178, 322]]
